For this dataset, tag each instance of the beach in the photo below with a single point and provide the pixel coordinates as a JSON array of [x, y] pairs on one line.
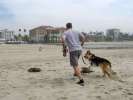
[[56, 81]]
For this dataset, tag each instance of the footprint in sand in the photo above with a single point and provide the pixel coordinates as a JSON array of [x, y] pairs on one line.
[[128, 92], [98, 87], [106, 92], [97, 76], [99, 97], [58, 82], [52, 70], [101, 85], [120, 88], [62, 98], [112, 90], [115, 77], [33, 98], [48, 63]]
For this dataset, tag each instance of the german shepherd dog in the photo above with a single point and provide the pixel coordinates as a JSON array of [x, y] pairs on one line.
[[104, 64]]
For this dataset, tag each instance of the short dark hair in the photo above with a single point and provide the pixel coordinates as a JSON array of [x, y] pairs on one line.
[[69, 25]]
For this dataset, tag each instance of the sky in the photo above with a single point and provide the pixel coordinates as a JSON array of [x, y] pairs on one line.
[[86, 15]]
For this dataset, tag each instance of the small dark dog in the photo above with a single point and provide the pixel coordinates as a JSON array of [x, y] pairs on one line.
[[104, 64]]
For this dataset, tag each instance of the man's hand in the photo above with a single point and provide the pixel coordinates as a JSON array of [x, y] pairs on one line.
[[82, 43], [82, 39], [65, 50]]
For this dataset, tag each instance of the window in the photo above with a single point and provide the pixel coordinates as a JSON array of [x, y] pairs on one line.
[[0, 34]]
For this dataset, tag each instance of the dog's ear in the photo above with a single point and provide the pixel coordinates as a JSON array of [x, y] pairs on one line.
[[93, 56], [88, 52]]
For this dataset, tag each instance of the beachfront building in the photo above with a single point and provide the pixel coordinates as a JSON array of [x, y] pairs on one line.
[[55, 34], [113, 34], [6, 35], [46, 34], [95, 36]]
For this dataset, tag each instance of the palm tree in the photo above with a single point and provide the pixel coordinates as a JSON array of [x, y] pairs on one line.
[[26, 38]]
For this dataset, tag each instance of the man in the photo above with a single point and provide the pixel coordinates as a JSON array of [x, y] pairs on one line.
[[74, 41]]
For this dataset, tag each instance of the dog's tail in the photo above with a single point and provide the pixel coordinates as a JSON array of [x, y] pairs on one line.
[[111, 69], [110, 65]]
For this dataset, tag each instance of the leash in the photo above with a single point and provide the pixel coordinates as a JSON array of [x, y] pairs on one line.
[[83, 60], [83, 56]]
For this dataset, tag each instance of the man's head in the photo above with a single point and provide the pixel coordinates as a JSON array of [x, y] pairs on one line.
[[69, 25]]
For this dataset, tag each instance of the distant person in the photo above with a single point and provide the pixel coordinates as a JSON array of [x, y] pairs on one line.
[[74, 41]]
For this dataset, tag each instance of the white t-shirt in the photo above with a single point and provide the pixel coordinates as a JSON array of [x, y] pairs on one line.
[[72, 40]]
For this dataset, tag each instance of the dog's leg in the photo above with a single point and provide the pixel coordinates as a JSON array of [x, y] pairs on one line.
[[108, 71], [105, 70], [108, 74], [102, 68]]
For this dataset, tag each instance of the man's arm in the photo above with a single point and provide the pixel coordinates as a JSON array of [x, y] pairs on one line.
[[82, 38], [64, 45]]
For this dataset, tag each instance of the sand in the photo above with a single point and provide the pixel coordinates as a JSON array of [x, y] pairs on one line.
[[56, 81]]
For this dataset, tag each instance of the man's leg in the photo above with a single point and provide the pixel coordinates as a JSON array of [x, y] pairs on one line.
[[74, 56], [78, 74]]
